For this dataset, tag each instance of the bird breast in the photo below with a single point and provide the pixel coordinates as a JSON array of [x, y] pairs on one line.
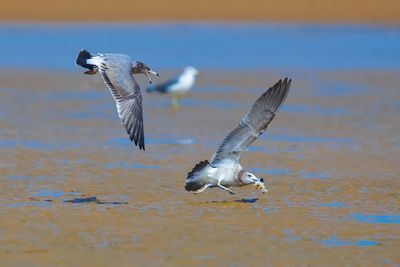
[[186, 82]]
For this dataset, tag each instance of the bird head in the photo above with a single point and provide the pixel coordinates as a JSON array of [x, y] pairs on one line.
[[191, 70], [139, 67], [250, 178]]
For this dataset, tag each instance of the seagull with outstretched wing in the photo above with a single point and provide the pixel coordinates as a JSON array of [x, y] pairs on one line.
[[116, 71], [225, 170]]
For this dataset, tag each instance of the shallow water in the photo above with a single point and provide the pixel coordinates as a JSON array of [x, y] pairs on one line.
[[75, 191], [227, 46]]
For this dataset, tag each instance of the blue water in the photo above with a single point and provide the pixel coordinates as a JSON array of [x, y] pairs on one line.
[[158, 141], [315, 175], [53, 193], [334, 205], [228, 46], [334, 242], [376, 218]]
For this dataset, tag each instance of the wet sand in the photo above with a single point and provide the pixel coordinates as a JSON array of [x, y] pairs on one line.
[[341, 11], [76, 192]]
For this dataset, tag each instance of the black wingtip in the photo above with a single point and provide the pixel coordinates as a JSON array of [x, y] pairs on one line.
[[138, 141], [82, 58], [136, 133], [280, 91], [141, 146], [193, 184]]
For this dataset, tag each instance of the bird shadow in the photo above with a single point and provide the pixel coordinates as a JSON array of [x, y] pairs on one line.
[[79, 200], [243, 200]]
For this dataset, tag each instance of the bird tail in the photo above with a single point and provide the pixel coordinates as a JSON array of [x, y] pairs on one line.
[[196, 178], [82, 60], [156, 88]]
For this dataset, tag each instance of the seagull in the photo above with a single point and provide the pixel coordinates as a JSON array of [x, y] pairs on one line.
[[225, 170], [116, 71], [177, 86]]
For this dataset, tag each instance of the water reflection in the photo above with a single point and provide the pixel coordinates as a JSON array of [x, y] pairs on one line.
[[376, 218], [315, 175], [334, 241]]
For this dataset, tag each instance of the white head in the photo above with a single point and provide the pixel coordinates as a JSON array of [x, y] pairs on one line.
[[249, 178], [191, 71]]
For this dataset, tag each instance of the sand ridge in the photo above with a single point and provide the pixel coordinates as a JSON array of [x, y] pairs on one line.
[[371, 11]]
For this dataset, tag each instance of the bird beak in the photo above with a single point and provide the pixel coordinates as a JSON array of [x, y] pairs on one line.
[[154, 73], [147, 73]]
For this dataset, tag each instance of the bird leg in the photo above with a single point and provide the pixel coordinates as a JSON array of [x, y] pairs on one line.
[[91, 72], [175, 104], [225, 188], [203, 188]]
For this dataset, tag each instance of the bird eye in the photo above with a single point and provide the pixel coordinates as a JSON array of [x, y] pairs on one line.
[[249, 175], [262, 180]]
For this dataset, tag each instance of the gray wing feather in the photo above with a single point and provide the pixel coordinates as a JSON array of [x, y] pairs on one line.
[[116, 73], [253, 124]]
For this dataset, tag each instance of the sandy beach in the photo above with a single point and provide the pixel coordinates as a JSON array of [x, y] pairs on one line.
[[341, 11], [332, 173], [74, 191]]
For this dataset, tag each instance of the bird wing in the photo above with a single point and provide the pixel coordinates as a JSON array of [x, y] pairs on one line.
[[116, 72], [253, 124]]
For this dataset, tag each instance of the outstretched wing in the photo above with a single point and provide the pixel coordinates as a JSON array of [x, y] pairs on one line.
[[253, 124], [116, 72]]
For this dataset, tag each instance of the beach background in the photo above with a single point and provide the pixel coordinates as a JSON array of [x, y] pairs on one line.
[[341, 11], [75, 192]]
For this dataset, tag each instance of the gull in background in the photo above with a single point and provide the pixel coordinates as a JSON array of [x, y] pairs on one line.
[[225, 170], [116, 71], [177, 86]]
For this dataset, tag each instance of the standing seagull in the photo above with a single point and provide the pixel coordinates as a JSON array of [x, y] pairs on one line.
[[177, 86], [117, 71], [225, 169]]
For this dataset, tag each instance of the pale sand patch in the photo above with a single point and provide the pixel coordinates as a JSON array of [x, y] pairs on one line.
[[385, 11]]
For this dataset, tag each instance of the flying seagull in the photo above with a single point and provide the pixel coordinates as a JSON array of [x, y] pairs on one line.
[[176, 86], [225, 170], [117, 71]]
